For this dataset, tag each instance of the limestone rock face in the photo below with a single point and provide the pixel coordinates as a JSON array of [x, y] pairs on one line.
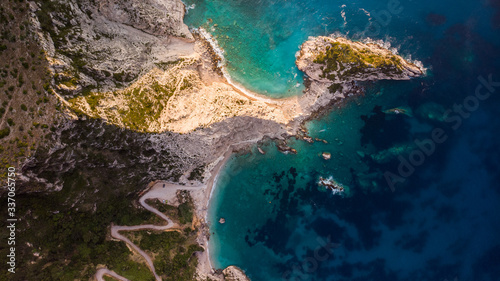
[[107, 44], [156, 17], [338, 60]]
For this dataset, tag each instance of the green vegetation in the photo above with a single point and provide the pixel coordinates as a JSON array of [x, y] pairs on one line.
[[4, 132], [173, 250], [179, 265], [335, 87], [186, 212], [69, 229], [186, 84], [93, 100], [144, 105], [342, 61], [143, 108], [67, 79], [185, 208], [62, 233], [122, 77], [73, 239], [197, 173]]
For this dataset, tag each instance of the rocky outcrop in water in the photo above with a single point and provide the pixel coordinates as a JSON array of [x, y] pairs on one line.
[[233, 273], [334, 65], [338, 60]]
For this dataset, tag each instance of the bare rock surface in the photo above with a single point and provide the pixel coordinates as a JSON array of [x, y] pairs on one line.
[[156, 17], [234, 273], [105, 44], [339, 60]]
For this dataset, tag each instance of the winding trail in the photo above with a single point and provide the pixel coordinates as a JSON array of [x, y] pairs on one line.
[[168, 191], [5, 114], [160, 190]]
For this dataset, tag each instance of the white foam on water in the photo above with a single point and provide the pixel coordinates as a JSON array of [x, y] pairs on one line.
[[214, 44], [342, 14], [366, 13], [222, 65], [190, 7], [214, 184]]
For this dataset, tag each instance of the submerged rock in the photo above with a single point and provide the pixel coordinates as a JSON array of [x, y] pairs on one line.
[[399, 110], [361, 153], [387, 155], [431, 111], [286, 149], [308, 139]]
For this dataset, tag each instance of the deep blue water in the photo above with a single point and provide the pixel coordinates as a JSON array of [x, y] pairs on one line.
[[435, 219]]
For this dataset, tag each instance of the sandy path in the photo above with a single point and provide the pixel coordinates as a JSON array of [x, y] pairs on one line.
[[5, 114], [165, 191], [104, 271], [157, 191]]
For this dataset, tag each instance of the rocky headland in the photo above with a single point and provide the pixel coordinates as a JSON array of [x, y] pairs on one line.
[[339, 60], [145, 99]]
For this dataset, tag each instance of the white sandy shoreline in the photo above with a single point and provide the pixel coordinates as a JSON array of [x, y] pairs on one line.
[[239, 88], [205, 263]]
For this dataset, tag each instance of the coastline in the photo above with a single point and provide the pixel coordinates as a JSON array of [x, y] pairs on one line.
[[205, 265], [219, 52], [294, 112], [313, 102]]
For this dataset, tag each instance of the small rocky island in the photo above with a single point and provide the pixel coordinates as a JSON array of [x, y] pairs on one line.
[[333, 65], [339, 60]]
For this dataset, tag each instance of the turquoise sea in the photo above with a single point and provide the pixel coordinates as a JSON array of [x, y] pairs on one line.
[[413, 209]]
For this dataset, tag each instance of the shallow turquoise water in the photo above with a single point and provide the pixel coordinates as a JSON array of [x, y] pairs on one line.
[[249, 196], [441, 223], [260, 38]]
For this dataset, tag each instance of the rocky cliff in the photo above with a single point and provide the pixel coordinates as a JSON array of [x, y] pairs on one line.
[[106, 44]]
